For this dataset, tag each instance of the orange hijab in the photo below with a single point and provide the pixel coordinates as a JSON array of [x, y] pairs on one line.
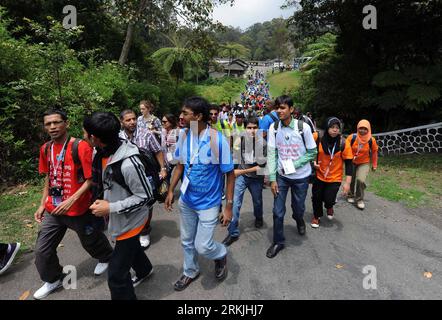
[[367, 137]]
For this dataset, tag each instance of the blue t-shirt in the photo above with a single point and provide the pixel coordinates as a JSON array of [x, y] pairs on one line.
[[267, 121], [205, 181]]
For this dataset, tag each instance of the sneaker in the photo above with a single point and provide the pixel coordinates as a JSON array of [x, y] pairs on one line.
[[221, 268], [330, 213], [145, 241], [361, 205], [315, 222], [136, 281], [6, 261], [351, 200], [47, 289], [101, 268]]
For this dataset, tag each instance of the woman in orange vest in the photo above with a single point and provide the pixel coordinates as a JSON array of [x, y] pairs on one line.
[[364, 148], [333, 151]]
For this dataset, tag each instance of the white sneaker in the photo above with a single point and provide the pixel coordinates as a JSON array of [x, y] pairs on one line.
[[47, 288], [145, 241], [101, 268], [136, 281], [361, 205], [351, 200]]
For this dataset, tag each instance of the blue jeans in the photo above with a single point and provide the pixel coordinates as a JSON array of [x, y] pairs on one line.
[[255, 187], [299, 189], [197, 230]]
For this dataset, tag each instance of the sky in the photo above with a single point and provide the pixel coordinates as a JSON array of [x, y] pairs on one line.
[[245, 13]]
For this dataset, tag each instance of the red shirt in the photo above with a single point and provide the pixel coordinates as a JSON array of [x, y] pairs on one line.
[[70, 171]]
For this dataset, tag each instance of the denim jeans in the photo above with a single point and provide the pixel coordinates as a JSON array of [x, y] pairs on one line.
[[255, 187], [197, 231], [299, 189]]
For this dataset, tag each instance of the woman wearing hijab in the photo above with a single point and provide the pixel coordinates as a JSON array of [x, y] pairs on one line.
[[364, 148], [333, 151]]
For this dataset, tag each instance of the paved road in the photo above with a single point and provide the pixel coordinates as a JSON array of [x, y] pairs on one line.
[[325, 264]]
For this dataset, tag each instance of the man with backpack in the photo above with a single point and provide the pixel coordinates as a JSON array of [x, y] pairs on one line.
[[67, 164], [269, 118], [291, 148], [144, 139], [127, 207], [204, 156]]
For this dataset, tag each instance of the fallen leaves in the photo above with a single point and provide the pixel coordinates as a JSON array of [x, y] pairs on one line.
[[339, 266], [428, 275], [25, 295]]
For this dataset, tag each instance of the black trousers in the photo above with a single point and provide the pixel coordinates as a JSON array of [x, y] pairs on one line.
[[127, 254], [52, 232], [323, 192]]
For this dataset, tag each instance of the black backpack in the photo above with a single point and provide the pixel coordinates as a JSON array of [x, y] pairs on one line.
[[152, 170], [75, 157]]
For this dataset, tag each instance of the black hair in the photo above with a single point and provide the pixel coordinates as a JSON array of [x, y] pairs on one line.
[[198, 105], [284, 100], [103, 125], [214, 107], [126, 111], [172, 120], [252, 120], [60, 112]]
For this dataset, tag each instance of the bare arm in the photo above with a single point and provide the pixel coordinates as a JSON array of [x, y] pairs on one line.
[[68, 203], [177, 174]]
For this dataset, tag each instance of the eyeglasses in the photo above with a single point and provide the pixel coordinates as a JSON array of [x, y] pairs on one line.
[[55, 123]]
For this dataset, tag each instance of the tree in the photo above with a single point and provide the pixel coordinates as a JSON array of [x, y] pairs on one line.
[[155, 14], [179, 58]]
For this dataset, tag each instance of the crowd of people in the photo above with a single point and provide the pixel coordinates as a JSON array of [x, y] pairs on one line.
[[101, 184]]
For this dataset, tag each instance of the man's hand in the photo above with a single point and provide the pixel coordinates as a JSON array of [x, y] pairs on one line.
[[238, 173], [100, 208], [168, 202], [63, 207], [316, 165], [227, 216], [163, 174], [346, 189], [38, 215], [275, 189]]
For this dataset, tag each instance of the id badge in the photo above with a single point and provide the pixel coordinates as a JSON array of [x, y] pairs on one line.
[[56, 201], [184, 185], [288, 166], [169, 157]]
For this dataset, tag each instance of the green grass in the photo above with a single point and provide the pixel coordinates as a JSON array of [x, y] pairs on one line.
[[223, 90], [415, 180], [17, 207], [283, 82]]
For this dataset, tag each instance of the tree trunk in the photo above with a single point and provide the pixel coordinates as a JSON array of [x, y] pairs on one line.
[[127, 43], [130, 34]]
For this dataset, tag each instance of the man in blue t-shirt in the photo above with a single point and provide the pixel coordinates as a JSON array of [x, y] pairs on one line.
[[203, 156], [269, 118]]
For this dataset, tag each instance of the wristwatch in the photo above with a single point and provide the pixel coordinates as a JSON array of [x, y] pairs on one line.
[[229, 201], [163, 168]]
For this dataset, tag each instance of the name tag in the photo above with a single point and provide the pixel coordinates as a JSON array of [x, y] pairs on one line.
[[288, 166], [184, 185]]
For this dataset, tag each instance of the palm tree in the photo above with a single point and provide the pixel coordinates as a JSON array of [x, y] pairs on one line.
[[178, 59], [233, 50], [319, 51]]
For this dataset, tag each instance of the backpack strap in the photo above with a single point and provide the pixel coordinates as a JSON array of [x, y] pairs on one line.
[[301, 131], [273, 117], [117, 175], [353, 139]]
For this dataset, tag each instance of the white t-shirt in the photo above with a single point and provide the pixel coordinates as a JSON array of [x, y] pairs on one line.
[[289, 145]]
